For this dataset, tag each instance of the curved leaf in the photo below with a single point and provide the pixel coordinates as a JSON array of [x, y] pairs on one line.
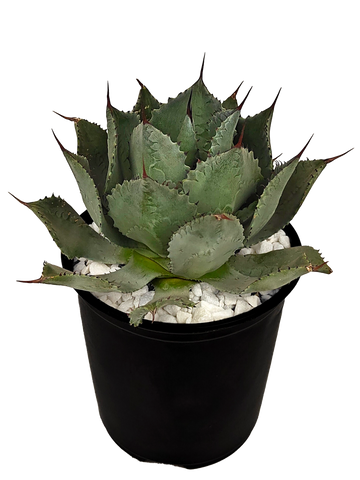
[[187, 141], [203, 107], [223, 139], [204, 244], [267, 271], [154, 154], [92, 144], [223, 183], [120, 127], [169, 118], [73, 235], [268, 202], [149, 212], [295, 192], [257, 138], [173, 291]]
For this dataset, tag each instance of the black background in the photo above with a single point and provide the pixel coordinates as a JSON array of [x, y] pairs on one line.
[[50, 417]]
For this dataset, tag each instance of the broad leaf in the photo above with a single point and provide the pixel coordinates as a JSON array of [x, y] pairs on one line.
[[149, 212], [223, 139], [137, 273], [267, 271], [227, 279], [169, 118], [295, 192], [279, 267], [72, 234], [154, 154], [187, 141], [92, 144], [120, 127], [269, 200], [257, 138], [204, 244], [223, 183], [146, 103], [91, 197], [203, 107]]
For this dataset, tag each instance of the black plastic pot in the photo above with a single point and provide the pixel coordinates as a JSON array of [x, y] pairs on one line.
[[186, 395]]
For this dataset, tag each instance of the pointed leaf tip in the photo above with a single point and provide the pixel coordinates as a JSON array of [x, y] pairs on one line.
[[303, 150], [236, 91], [20, 201], [63, 149], [276, 98], [72, 119], [203, 65], [140, 83], [239, 143], [242, 103], [107, 92], [332, 159]]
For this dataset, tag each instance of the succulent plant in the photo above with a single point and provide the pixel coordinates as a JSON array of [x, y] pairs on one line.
[[176, 189]]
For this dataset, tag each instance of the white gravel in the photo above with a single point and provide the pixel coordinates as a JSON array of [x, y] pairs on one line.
[[210, 303]]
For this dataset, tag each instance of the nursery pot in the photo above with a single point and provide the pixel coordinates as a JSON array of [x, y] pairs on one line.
[[181, 394]]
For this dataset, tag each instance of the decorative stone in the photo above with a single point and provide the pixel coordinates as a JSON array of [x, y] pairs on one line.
[[210, 304]]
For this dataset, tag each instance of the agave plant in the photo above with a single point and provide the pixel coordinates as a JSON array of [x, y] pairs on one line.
[[176, 189]]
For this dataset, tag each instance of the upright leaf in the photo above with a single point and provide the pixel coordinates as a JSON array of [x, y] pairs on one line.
[[154, 154], [187, 141], [120, 127], [257, 137], [169, 118], [203, 106], [295, 192], [224, 182], [91, 197], [224, 137], [92, 144], [269, 201], [146, 103]]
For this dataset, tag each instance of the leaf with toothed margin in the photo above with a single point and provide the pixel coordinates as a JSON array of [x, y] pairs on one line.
[[137, 273], [257, 132], [173, 118], [148, 212], [223, 139], [80, 167], [204, 244], [145, 100], [267, 271], [72, 234], [269, 200], [92, 144], [203, 106], [279, 267], [257, 137], [153, 154], [54, 275], [223, 183], [169, 118], [172, 291], [120, 127], [294, 194], [91, 149], [187, 141]]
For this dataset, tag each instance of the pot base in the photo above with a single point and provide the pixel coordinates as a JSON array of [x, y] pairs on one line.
[[193, 467]]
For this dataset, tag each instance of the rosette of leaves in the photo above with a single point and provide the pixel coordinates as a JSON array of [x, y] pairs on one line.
[[176, 189]]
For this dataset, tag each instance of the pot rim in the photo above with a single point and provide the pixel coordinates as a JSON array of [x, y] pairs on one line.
[[179, 332]]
